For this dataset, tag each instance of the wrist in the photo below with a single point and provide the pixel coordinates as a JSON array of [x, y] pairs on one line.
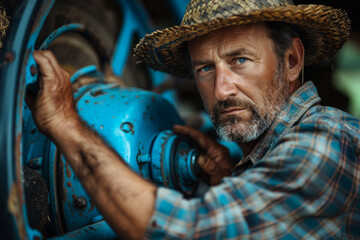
[[64, 128]]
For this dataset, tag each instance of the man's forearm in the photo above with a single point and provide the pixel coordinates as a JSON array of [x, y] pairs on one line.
[[123, 197]]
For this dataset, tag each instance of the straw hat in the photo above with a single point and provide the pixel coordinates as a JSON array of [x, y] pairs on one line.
[[323, 29], [4, 23]]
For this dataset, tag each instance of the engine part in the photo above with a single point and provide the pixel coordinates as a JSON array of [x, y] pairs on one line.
[[131, 121]]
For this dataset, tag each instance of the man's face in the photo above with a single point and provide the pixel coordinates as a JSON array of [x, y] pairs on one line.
[[239, 79]]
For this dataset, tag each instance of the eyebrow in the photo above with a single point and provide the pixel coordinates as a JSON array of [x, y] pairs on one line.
[[237, 52], [231, 53], [198, 63]]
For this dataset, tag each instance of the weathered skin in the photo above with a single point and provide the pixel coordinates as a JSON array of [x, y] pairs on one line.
[[249, 82]]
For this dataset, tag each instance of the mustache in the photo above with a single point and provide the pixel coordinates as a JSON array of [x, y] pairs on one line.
[[232, 102]]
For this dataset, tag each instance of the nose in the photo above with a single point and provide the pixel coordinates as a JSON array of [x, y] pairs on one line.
[[224, 84]]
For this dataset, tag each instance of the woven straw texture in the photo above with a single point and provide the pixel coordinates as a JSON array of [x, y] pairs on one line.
[[323, 29], [4, 23]]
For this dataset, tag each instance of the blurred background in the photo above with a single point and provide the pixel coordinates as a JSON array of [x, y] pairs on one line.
[[338, 81]]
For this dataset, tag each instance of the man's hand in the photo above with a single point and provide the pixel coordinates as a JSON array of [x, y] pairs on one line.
[[53, 107], [215, 161]]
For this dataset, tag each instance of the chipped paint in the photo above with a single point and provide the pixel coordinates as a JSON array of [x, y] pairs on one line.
[[15, 208]]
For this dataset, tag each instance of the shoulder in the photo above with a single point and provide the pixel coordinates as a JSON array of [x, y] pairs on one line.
[[329, 121], [323, 143], [331, 117], [323, 133]]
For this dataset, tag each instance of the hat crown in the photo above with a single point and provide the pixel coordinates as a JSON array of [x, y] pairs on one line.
[[200, 11]]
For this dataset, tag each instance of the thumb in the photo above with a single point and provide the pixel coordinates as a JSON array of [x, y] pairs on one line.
[[213, 170], [208, 165]]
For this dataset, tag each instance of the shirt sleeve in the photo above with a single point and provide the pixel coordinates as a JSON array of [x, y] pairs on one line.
[[303, 188]]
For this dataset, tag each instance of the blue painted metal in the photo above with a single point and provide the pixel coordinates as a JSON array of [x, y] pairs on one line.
[[51, 169], [88, 70], [173, 163], [135, 123], [99, 230], [12, 75], [128, 118], [72, 27]]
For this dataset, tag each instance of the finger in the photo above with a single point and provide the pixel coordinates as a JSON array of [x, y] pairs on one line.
[[46, 68], [51, 73], [212, 169], [221, 156], [207, 165], [54, 62], [64, 76], [215, 150], [203, 140]]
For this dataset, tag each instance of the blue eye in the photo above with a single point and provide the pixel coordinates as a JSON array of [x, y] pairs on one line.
[[205, 69], [241, 60]]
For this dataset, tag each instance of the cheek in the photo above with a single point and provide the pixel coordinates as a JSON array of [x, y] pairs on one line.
[[206, 93], [255, 88], [260, 89]]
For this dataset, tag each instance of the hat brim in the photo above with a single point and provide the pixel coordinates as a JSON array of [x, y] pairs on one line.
[[323, 30]]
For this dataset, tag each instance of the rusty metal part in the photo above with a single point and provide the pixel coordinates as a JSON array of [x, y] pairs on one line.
[[9, 57], [80, 202], [15, 208], [33, 70]]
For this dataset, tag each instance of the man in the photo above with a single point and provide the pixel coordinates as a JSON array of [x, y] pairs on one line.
[[299, 178]]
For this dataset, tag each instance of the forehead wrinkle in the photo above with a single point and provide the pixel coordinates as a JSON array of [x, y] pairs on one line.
[[237, 51], [226, 42], [204, 46], [222, 37]]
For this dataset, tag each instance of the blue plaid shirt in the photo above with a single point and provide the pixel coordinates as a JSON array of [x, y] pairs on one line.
[[302, 181]]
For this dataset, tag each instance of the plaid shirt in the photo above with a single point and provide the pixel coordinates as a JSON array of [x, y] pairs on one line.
[[302, 181]]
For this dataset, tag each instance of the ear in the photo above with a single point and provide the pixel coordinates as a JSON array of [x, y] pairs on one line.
[[294, 60]]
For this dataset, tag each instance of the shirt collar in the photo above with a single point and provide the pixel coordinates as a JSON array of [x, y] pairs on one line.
[[296, 106]]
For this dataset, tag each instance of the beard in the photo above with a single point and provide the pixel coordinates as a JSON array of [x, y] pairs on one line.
[[231, 128]]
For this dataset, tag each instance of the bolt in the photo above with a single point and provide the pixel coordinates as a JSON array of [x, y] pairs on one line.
[[127, 127], [36, 163], [33, 70], [9, 57], [80, 202], [144, 158], [97, 218]]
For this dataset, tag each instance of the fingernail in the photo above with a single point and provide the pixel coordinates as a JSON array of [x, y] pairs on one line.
[[201, 160], [176, 127]]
